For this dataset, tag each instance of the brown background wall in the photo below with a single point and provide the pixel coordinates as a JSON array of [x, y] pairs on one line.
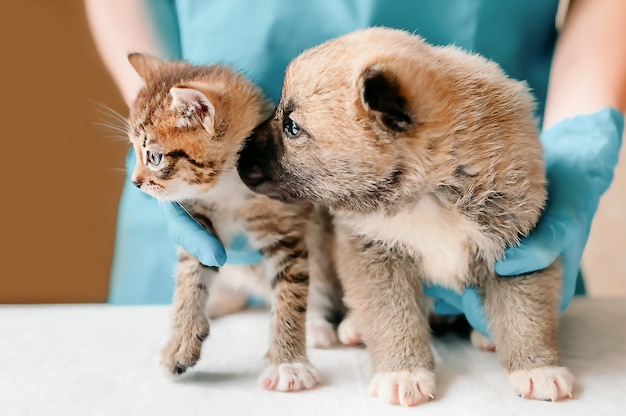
[[60, 177], [61, 173]]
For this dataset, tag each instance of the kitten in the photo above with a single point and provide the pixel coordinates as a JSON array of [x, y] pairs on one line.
[[187, 126]]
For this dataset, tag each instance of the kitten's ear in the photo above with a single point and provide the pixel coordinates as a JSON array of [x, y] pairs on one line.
[[381, 94], [144, 64], [192, 104]]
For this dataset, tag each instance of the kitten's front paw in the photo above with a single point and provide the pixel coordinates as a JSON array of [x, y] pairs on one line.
[[348, 331], [183, 349], [320, 334], [543, 383], [406, 388], [289, 377]]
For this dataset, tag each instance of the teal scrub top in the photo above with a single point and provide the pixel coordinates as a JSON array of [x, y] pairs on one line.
[[259, 38]]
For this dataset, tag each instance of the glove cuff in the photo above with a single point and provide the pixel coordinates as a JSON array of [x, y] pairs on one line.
[[586, 145]]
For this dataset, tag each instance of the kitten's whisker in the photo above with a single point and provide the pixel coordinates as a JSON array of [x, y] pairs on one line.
[[161, 202], [114, 127], [123, 170], [108, 111], [173, 201], [116, 138], [114, 122]]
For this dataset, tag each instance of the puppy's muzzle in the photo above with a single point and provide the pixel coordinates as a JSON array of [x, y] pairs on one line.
[[257, 164]]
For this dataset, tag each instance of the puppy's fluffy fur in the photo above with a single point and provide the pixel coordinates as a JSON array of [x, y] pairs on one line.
[[430, 162]]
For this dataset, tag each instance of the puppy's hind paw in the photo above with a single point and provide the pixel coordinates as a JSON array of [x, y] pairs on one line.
[[543, 383], [289, 377], [406, 388]]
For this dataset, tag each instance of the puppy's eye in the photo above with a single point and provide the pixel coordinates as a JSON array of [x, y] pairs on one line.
[[291, 129], [154, 158]]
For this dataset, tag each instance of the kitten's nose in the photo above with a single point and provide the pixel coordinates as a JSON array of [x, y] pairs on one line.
[[137, 179]]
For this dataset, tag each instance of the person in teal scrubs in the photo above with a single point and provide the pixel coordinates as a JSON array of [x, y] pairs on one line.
[[578, 78]]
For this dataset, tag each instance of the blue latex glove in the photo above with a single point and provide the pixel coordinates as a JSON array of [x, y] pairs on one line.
[[191, 236], [580, 154]]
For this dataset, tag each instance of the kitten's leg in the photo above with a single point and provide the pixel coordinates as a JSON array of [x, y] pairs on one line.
[[522, 314], [320, 333], [325, 305], [288, 366], [385, 295], [225, 300], [231, 290], [190, 324]]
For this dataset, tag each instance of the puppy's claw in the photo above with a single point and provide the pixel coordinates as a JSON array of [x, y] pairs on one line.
[[543, 383]]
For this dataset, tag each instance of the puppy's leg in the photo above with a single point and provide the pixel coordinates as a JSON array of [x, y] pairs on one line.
[[325, 304], [190, 324], [288, 366], [522, 313], [381, 291]]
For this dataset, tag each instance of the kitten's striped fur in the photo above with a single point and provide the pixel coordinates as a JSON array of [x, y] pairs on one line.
[[187, 126]]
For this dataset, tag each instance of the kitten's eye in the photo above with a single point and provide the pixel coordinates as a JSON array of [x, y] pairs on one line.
[[154, 158], [291, 129]]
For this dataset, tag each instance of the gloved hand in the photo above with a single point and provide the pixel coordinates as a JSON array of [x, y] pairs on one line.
[[191, 236], [580, 154]]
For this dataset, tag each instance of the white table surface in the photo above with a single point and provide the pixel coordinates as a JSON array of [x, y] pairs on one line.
[[104, 360]]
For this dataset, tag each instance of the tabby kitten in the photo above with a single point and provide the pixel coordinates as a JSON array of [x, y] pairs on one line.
[[187, 126]]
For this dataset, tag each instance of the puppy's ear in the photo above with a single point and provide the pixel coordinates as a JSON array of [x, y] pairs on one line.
[[381, 94]]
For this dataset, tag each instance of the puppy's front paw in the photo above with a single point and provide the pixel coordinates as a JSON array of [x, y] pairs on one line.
[[406, 388], [289, 377], [320, 334], [348, 331], [543, 383], [183, 349]]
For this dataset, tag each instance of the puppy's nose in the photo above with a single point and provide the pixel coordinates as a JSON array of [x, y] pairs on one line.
[[250, 163], [254, 175]]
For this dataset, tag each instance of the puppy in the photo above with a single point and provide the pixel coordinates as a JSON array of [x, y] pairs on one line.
[[429, 159]]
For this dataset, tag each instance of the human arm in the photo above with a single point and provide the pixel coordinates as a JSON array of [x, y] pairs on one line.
[[588, 71], [583, 125], [120, 27]]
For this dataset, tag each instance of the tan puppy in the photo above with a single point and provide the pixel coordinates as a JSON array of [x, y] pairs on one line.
[[430, 161]]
